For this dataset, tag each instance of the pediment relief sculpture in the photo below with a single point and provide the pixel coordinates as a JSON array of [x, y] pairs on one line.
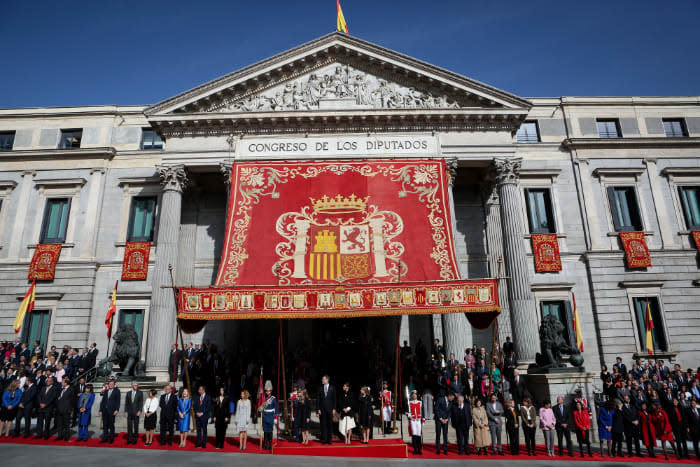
[[339, 86]]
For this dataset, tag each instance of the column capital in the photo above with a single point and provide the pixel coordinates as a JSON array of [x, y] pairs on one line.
[[452, 166], [225, 167], [507, 170], [489, 187], [173, 177]]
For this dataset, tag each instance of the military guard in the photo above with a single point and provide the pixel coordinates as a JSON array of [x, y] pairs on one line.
[[270, 411], [416, 421], [387, 408]]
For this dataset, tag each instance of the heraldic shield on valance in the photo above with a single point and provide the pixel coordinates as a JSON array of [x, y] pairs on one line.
[[338, 239]]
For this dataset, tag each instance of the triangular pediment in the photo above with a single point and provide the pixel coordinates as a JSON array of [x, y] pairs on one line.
[[338, 72]]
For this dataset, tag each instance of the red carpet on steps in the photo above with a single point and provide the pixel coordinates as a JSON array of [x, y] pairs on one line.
[[378, 448]]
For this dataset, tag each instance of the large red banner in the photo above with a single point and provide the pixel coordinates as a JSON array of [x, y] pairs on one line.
[[337, 222]]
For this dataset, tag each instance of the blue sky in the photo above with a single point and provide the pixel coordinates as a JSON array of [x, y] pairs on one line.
[[141, 52]]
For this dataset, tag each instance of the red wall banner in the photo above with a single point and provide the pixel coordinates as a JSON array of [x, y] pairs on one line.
[[696, 238], [545, 248], [135, 264], [636, 249], [43, 264], [337, 222], [335, 301]]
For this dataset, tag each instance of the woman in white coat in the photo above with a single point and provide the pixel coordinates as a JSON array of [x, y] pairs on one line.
[[243, 419]]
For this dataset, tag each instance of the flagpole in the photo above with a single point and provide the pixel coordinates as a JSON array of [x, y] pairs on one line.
[[111, 318]]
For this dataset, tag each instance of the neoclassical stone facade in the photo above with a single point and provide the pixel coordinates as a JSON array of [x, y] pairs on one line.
[[581, 168]]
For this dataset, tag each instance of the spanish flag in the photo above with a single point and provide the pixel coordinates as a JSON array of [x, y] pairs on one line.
[[342, 25], [649, 325], [111, 311], [25, 307], [577, 326]]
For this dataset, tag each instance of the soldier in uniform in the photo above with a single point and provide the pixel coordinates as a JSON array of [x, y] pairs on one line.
[[387, 408], [416, 420], [270, 411]]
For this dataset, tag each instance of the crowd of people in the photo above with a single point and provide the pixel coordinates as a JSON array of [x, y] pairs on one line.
[[649, 404]]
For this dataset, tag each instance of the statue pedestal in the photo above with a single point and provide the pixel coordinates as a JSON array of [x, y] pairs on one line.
[[563, 382]]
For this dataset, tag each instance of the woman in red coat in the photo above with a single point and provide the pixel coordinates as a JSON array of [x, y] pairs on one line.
[[664, 431], [582, 420], [646, 426]]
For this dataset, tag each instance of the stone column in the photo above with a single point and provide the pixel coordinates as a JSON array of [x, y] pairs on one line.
[[161, 321], [522, 303], [455, 325], [494, 248]]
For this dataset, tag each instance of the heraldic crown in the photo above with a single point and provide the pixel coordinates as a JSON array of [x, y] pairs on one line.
[[339, 204]]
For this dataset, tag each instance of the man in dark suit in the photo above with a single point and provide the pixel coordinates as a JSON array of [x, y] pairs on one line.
[[517, 388], [508, 347], [109, 408], [174, 363], [621, 368], [326, 404], [46, 399], [64, 409], [25, 407], [630, 418], [437, 350], [510, 363], [201, 406], [512, 427], [443, 409], [168, 412], [562, 414], [24, 352], [461, 421], [694, 426], [452, 364], [91, 359], [132, 411]]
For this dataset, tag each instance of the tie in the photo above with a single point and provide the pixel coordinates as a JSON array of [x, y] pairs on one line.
[[325, 390], [167, 398], [561, 409], [201, 399]]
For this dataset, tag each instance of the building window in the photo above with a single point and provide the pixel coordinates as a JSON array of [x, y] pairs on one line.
[[609, 128], [690, 199], [528, 133], [134, 318], [561, 309], [675, 128], [624, 209], [539, 210], [70, 139], [7, 140], [151, 140], [55, 221], [658, 335], [141, 219], [36, 327]]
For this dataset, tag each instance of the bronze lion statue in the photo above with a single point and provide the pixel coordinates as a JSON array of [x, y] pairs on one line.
[[553, 345], [126, 353]]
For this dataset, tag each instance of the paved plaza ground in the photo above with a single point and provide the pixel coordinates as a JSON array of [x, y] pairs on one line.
[[21, 455]]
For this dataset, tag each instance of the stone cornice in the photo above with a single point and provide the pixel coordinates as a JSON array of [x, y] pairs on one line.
[[58, 182], [333, 47], [104, 153], [333, 121], [626, 143]]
